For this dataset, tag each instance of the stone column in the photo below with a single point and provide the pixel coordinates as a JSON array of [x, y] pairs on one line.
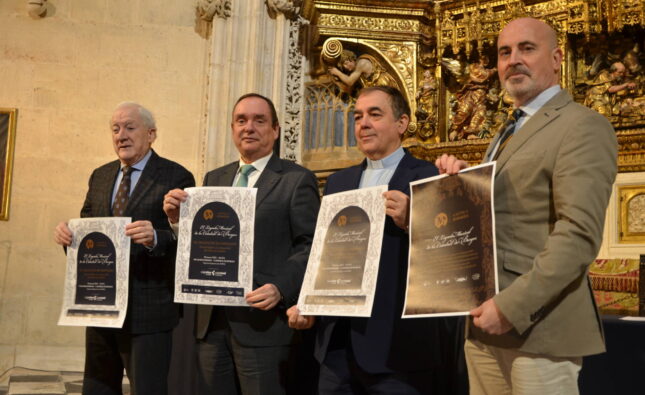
[[249, 52]]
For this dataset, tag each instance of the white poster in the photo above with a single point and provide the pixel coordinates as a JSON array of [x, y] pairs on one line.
[[96, 281], [343, 264], [215, 246]]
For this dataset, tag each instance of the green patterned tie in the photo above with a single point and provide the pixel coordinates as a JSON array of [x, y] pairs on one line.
[[243, 180]]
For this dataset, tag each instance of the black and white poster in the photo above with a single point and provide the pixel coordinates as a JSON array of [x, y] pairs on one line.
[[96, 281], [343, 263], [215, 246]]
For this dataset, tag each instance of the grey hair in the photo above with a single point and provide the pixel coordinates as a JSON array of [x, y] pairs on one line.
[[146, 116]]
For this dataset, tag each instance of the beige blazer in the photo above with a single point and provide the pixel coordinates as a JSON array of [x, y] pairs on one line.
[[552, 184]]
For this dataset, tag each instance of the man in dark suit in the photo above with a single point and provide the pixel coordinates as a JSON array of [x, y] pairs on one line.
[[143, 345], [382, 353], [247, 348], [554, 174]]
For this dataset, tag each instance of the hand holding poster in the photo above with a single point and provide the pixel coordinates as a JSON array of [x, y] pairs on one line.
[[343, 263], [215, 247], [452, 263], [96, 280]]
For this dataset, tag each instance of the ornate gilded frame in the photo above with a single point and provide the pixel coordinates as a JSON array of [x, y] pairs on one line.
[[631, 201], [8, 119]]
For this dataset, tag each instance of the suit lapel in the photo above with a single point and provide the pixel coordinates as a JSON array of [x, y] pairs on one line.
[[110, 179], [493, 142], [146, 181], [402, 175], [268, 179], [355, 175], [227, 175], [545, 115], [349, 181]]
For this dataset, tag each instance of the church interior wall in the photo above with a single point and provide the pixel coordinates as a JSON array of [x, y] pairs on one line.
[[65, 72]]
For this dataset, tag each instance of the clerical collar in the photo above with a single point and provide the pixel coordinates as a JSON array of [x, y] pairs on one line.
[[390, 161]]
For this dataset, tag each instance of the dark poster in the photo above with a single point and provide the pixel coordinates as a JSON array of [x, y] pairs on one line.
[[96, 271], [215, 248], [452, 247]]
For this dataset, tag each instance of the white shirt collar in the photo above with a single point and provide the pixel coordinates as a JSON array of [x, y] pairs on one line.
[[534, 105], [140, 165], [259, 164]]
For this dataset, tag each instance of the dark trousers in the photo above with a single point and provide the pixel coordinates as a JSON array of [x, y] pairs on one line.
[[226, 367], [145, 358], [341, 375]]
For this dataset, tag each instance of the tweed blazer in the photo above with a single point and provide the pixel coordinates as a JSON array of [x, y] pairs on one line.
[[151, 285], [552, 184], [286, 209]]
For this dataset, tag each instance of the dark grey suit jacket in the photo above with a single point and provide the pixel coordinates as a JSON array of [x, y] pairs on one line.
[[286, 209], [150, 297]]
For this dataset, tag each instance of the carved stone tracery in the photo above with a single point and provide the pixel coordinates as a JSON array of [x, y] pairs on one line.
[[293, 96]]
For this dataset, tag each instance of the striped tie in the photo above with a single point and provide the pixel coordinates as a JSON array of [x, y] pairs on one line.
[[123, 193], [508, 132]]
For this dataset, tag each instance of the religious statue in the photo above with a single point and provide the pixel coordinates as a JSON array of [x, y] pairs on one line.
[[635, 71], [605, 92], [502, 105], [365, 69], [633, 104], [426, 105], [470, 105]]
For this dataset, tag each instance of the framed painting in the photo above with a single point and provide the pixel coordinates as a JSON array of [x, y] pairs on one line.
[[632, 214], [8, 118]]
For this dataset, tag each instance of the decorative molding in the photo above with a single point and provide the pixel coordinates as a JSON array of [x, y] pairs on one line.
[[631, 150], [367, 23], [471, 151], [208, 9], [403, 56], [293, 96]]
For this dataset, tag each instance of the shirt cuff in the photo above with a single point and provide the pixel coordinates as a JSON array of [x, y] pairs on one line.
[[174, 227], [154, 242]]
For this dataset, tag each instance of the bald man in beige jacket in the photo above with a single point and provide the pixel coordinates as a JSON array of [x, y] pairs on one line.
[[553, 179]]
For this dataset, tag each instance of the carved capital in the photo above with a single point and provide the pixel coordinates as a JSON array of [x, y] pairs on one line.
[[208, 9], [290, 8]]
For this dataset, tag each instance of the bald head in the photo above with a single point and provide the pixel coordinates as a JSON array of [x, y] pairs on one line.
[[529, 58], [542, 29]]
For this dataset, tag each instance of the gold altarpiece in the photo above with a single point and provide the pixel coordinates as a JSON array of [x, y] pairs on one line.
[[442, 55]]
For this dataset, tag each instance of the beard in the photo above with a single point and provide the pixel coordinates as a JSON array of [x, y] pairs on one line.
[[526, 88]]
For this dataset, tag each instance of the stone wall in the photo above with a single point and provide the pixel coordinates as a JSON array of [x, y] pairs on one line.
[[65, 73]]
